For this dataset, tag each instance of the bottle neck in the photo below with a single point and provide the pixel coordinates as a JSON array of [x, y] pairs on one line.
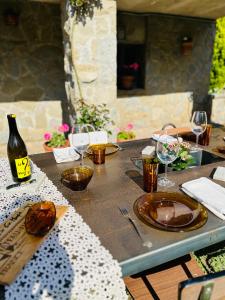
[[12, 124]]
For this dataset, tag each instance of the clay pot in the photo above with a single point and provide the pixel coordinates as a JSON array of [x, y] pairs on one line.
[[123, 140], [186, 48], [127, 82], [11, 18], [50, 149]]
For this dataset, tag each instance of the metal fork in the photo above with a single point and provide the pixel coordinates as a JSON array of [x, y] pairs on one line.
[[144, 237]]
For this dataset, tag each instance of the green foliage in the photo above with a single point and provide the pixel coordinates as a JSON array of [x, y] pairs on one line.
[[95, 115], [57, 140], [126, 135], [217, 74], [83, 9]]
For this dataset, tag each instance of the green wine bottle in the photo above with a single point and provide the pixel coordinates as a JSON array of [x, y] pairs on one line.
[[17, 153]]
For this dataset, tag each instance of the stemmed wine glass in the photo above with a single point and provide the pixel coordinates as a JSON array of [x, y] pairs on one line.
[[80, 139], [167, 150], [198, 124]]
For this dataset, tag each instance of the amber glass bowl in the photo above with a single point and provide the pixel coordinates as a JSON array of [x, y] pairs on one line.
[[77, 178]]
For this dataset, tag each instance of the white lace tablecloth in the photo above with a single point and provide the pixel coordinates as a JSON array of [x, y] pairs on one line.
[[71, 263]]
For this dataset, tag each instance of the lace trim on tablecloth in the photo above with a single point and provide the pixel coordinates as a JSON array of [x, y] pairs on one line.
[[71, 263]]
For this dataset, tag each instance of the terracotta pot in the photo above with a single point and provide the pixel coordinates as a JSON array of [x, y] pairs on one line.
[[11, 18], [186, 48], [127, 82], [123, 140], [50, 149]]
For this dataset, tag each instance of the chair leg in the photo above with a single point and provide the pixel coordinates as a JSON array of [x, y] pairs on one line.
[[150, 288], [129, 294]]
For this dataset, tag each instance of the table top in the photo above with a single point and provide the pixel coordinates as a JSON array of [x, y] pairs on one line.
[[118, 182]]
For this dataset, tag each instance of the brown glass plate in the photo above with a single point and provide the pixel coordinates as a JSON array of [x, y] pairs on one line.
[[110, 149], [170, 211]]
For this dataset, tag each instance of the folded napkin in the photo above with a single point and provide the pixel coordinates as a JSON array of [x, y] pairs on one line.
[[95, 137], [219, 174], [165, 138], [207, 192], [148, 151], [65, 154]]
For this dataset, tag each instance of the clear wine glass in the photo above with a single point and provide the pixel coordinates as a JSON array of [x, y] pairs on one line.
[[167, 150], [198, 124], [80, 139]]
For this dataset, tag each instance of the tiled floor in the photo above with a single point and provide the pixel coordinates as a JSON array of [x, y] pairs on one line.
[[165, 281]]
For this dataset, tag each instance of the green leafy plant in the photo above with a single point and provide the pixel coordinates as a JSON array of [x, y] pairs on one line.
[[57, 139], [217, 74], [126, 133], [84, 8], [95, 115], [184, 158]]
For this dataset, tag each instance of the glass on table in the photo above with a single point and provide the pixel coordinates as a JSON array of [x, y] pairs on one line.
[[98, 154], [198, 124], [150, 174], [81, 138], [167, 150]]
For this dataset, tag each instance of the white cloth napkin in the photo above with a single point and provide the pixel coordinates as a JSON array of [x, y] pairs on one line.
[[165, 138], [65, 154], [207, 192], [95, 137], [219, 174]]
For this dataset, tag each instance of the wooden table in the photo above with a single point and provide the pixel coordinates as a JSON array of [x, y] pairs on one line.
[[117, 182]]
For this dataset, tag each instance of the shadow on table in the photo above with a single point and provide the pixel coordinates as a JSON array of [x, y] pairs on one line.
[[53, 278], [136, 177]]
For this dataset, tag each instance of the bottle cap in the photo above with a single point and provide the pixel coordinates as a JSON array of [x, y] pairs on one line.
[[12, 116]]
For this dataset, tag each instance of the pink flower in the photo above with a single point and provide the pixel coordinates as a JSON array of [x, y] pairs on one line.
[[117, 129], [64, 128], [134, 66], [47, 136], [130, 126]]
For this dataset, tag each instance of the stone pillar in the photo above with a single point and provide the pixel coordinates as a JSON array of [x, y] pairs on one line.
[[67, 26], [90, 52]]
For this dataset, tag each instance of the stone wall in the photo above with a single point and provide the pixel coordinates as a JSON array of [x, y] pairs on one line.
[[167, 70], [218, 104], [94, 54], [34, 118], [31, 53], [171, 79]]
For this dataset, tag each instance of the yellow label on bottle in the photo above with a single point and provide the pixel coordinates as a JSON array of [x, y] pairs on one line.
[[23, 167]]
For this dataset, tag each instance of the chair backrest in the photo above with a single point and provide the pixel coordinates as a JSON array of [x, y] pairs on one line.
[[208, 287]]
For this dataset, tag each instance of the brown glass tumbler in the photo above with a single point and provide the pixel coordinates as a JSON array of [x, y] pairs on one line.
[[98, 153], [150, 175], [205, 137]]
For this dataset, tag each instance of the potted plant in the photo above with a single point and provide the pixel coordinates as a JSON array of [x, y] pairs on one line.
[[186, 45], [95, 115], [126, 134], [56, 139], [11, 17], [128, 76]]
